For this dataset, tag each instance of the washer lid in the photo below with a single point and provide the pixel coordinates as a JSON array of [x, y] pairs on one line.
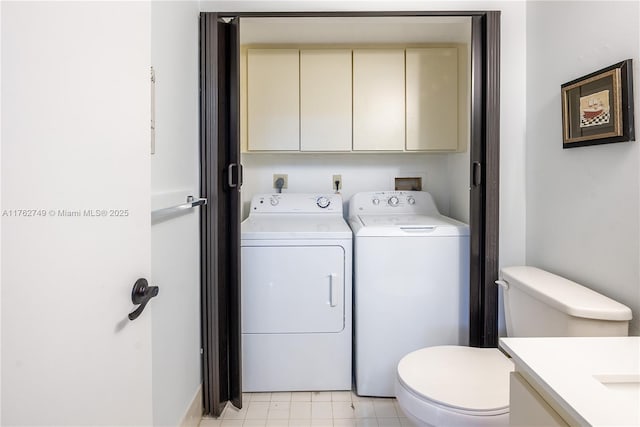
[[292, 226], [409, 224], [468, 379]]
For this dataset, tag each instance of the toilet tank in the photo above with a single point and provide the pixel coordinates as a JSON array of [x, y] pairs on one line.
[[541, 304]]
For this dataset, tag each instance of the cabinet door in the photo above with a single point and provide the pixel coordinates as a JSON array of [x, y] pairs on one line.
[[273, 92], [378, 99], [325, 100], [432, 99], [528, 408]]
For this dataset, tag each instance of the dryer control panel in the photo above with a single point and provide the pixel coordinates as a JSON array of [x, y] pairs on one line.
[[385, 202], [298, 203]]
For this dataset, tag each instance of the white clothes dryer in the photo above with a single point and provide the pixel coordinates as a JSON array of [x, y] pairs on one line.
[[296, 257], [411, 282]]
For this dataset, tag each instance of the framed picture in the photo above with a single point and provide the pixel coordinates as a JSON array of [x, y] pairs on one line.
[[598, 108]]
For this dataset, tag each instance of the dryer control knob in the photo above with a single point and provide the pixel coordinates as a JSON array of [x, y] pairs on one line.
[[393, 201], [274, 201], [411, 200], [323, 202]]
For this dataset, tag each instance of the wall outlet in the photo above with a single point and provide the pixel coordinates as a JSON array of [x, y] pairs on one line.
[[337, 178], [284, 176]]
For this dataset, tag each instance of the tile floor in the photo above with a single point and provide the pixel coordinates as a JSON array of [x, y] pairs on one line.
[[306, 409]]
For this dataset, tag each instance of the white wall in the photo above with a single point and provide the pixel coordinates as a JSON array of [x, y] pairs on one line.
[[583, 204], [175, 242], [360, 172]]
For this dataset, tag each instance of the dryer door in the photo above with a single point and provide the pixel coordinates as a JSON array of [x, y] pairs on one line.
[[292, 289]]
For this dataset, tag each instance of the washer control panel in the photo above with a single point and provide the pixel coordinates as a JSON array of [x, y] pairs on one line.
[[417, 202], [393, 199], [296, 203]]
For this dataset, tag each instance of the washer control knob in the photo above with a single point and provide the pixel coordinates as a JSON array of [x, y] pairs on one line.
[[411, 200], [323, 202], [274, 201], [376, 201], [393, 201]]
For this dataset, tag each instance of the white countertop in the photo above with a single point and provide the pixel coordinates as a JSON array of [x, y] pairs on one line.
[[596, 380]]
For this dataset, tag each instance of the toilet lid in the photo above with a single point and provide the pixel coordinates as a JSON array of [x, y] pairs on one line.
[[464, 378]]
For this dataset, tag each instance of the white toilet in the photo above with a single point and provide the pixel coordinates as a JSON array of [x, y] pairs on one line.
[[467, 386]]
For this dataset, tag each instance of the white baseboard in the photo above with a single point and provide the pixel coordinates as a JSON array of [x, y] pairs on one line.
[[194, 413]]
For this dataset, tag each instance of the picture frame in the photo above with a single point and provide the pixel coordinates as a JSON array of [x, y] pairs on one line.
[[598, 108]]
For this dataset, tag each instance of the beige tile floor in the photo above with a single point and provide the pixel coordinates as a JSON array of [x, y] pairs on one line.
[[306, 409]]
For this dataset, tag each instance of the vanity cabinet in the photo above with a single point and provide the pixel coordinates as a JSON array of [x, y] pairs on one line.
[[273, 101], [576, 381], [528, 408], [432, 99], [325, 100], [378, 100]]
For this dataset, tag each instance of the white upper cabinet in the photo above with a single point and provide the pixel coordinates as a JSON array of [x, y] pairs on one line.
[[378, 99], [273, 108], [432, 99], [325, 100], [342, 99]]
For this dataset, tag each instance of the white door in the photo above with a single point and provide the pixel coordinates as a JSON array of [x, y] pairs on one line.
[[75, 213]]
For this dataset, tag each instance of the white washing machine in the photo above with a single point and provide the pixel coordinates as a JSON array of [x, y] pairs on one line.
[[411, 282], [296, 291]]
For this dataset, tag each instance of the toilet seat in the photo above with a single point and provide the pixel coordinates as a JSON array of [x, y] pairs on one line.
[[475, 384]]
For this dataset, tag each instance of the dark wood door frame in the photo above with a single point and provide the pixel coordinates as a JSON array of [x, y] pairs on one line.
[[219, 148]]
